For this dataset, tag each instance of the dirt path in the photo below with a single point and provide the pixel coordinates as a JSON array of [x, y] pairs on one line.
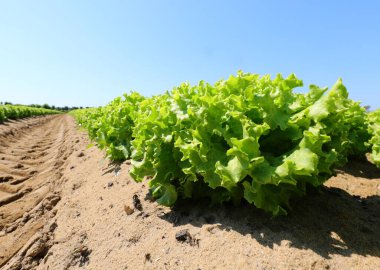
[[32, 154], [64, 206]]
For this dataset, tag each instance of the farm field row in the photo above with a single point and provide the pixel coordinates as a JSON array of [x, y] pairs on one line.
[[13, 112], [248, 138]]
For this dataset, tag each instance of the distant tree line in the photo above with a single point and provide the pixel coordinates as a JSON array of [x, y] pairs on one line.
[[46, 106]]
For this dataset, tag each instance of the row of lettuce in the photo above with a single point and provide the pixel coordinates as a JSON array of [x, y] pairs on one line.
[[248, 137], [13, 112]]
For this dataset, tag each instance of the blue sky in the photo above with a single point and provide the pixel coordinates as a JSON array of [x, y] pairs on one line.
[[85, 53]]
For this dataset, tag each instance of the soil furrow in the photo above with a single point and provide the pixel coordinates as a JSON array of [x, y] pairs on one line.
[[28, 186]]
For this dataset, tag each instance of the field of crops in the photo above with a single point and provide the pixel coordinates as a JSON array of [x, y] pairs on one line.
[[225, 157], [18, 111], [136, 135], [249, 138]]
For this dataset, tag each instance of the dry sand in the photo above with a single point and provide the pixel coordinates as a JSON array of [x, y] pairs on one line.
[[64, 206]]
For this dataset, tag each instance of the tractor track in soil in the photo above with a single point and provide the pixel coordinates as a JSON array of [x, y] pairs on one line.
[[32, 156]]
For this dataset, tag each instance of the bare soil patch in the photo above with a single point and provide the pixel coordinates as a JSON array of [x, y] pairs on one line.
[[33, 154]]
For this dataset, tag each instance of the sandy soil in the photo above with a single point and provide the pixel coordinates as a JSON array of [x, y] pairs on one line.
[[64, 206]]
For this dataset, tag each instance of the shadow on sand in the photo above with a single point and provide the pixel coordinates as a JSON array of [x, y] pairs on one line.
[[329, 221]]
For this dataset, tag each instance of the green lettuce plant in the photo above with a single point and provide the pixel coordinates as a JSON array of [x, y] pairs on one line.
[[249, 138]]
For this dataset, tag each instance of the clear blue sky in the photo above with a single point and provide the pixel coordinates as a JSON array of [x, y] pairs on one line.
[[85, 53]]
